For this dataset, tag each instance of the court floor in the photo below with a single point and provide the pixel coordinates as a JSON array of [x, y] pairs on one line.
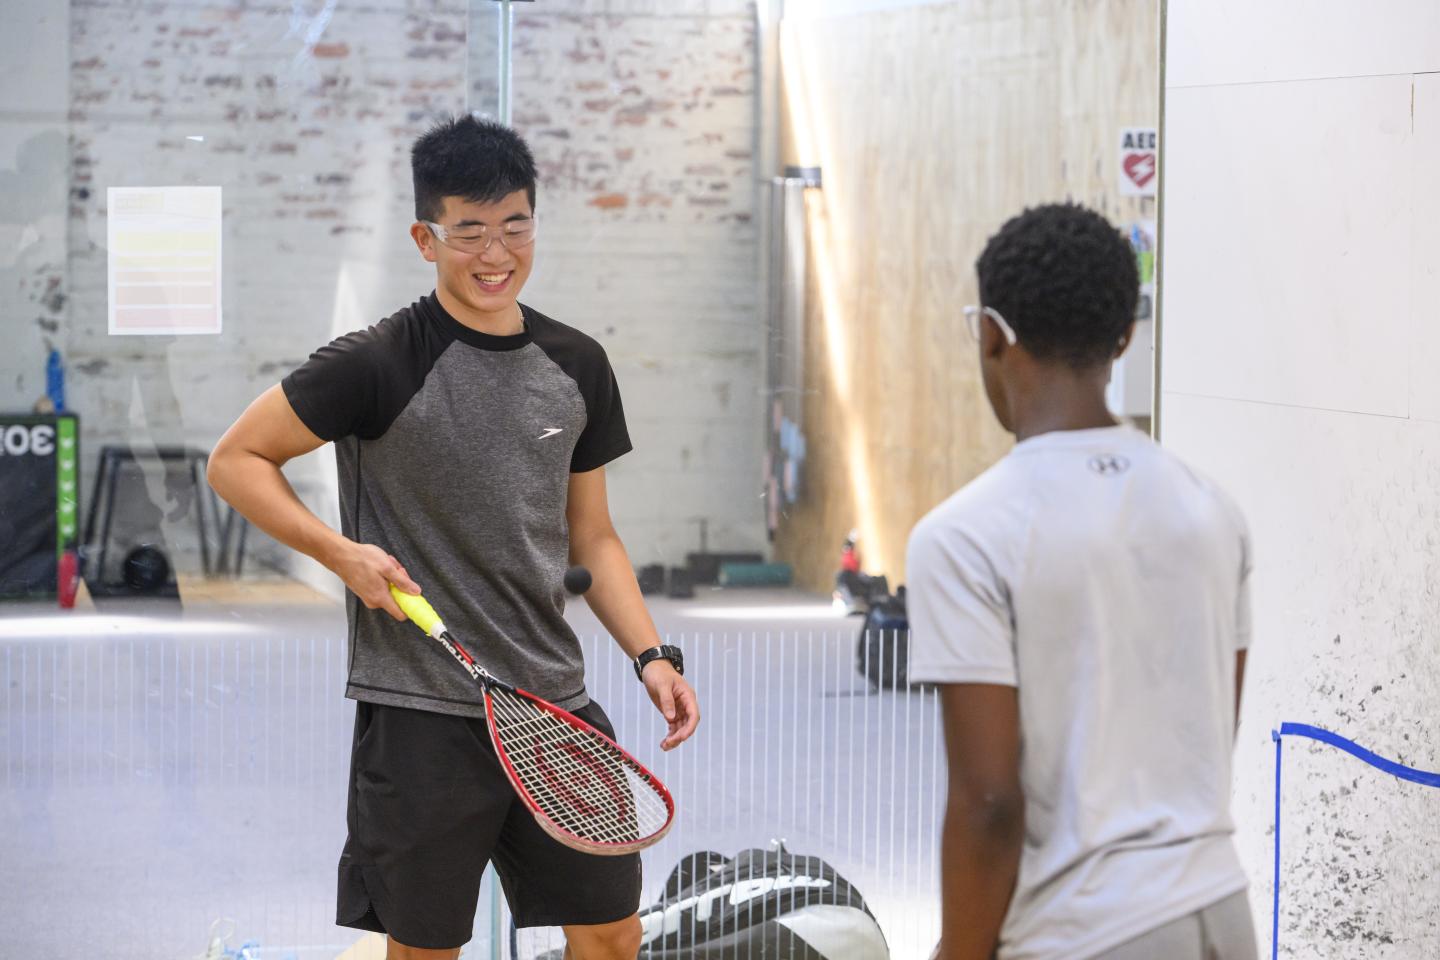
[[163, 769]]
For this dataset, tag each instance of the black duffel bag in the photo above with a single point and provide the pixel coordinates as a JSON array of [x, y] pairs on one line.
[[761, 903], [882, 651]]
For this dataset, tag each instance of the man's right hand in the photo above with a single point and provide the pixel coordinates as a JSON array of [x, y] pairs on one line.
[[245, 470], [368, 571]]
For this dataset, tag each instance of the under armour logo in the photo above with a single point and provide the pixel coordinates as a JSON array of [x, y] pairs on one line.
[[550, 432], [1109, 464]]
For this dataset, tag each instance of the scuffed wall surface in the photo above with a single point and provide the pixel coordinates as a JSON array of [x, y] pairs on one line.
[[1300, 335], [1348, 557]]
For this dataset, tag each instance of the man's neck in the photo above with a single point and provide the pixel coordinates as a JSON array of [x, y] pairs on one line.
[[504, 324], [1060, 401]]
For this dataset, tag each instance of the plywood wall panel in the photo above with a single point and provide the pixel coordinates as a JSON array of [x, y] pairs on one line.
[[933, 125]]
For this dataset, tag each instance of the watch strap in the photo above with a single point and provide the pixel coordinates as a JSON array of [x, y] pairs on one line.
[[662, 652]]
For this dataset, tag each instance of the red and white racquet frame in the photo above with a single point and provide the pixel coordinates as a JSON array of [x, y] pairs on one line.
[[584, 789]]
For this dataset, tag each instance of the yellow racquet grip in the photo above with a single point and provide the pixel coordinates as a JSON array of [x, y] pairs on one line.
[[418, 609]]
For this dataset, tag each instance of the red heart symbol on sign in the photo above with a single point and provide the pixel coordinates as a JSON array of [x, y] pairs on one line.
[[1140, 168]]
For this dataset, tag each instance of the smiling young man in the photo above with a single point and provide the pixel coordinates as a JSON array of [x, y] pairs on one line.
[[1084, 607], [471, 436]]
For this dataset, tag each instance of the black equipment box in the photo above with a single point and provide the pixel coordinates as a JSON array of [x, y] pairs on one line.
[[39, 501]]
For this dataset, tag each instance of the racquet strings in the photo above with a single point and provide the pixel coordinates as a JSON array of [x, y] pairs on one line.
[[581, 782]]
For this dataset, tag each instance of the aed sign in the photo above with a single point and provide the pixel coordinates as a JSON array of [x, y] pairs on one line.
[[1139, 161]]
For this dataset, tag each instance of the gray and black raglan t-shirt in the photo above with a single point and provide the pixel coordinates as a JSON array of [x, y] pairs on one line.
[[455, 450]]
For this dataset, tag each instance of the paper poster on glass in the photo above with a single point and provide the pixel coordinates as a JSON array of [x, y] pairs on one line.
[[164, 260], [1142, 240]]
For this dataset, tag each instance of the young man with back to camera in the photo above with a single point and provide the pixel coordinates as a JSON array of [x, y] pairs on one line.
[[1084, 607], [471, 436]]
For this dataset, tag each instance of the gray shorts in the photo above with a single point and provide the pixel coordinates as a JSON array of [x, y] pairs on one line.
[[1221, 931]]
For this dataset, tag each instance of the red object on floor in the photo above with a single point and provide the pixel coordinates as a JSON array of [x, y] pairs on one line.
[[68, 573]]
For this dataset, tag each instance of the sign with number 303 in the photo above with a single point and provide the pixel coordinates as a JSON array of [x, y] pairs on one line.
[[19, 440]]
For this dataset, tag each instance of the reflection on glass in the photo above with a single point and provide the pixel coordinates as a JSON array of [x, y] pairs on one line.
[[487, 63]]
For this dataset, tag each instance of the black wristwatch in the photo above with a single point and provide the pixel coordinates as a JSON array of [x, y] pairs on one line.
[[666, 652]]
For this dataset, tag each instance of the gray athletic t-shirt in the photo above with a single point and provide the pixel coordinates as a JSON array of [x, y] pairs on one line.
[[455, 450]]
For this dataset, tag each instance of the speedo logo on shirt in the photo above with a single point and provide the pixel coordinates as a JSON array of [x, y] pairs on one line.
[[1109, 464], [550, 432]]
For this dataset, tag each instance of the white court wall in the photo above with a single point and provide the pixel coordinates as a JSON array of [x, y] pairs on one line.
[[1300, 339]]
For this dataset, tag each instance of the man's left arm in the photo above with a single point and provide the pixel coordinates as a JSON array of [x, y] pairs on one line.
[[615, 597], [984, 827], [962, 638]]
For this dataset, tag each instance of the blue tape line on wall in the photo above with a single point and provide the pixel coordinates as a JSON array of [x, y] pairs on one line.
[[1399, 770]]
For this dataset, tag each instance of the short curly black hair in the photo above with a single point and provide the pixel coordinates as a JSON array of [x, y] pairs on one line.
[[480, 160], [1065, 280]]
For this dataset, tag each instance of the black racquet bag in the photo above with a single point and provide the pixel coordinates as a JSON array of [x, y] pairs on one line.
[[761, 903], [765, 904], [882, 651]]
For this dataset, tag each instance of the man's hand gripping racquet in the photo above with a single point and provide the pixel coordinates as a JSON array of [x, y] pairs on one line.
[[581, 787]]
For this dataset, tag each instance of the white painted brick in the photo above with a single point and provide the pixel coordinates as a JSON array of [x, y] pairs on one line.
[[659, 8], [34, 58], [642, 121]]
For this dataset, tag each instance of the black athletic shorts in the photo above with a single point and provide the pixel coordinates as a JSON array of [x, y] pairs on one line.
[[429, 806]]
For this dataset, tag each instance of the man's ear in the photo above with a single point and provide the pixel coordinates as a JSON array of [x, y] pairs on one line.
[[424, 240], [992, 341], [1124, 343]]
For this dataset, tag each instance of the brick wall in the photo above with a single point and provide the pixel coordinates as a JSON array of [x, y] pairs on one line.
[[643, 119], [34, 154], [641, 115]]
